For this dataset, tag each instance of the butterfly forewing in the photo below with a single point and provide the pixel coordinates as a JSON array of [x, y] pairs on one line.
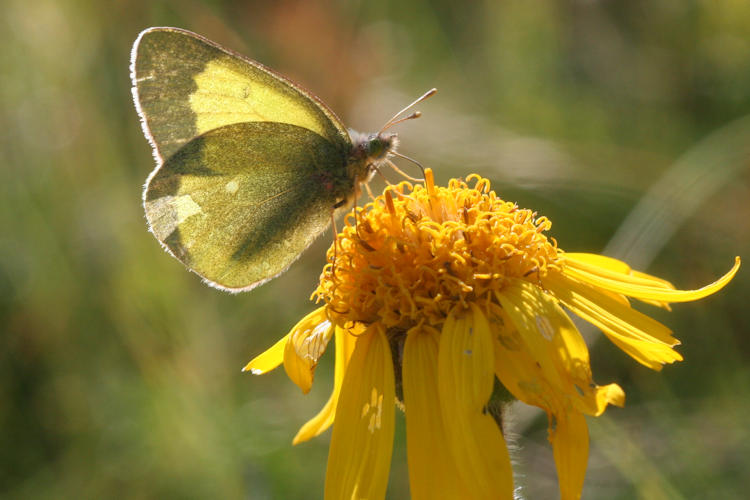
[[185, 85]]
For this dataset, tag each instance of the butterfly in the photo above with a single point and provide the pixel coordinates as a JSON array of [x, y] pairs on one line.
[[250, 167]]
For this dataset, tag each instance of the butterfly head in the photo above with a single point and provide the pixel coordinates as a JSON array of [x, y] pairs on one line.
[[370, 151], [373, 149]]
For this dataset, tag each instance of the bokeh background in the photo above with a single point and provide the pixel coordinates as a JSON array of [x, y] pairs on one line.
[[625, 122]]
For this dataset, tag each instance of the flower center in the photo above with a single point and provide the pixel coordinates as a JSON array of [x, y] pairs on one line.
[[414, 252]]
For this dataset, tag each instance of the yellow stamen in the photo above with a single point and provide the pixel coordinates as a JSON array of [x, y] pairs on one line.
[[417, 250]]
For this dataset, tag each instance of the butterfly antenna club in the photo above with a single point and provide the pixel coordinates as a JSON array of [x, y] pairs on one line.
[[393, 121]]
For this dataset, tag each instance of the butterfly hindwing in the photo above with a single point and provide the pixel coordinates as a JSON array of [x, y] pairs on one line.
[[238, 204]]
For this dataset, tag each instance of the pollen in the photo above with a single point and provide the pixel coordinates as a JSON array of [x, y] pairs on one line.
[[416, 251]]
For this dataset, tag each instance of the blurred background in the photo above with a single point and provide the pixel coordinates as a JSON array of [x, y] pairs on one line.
[[627, 123]]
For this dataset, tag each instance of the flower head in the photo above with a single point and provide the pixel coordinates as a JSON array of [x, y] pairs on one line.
[[437, 296]]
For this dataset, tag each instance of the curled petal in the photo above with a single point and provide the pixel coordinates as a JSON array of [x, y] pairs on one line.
[[641, 288], [307, 343], [268, 359], [613, 269], [617, 270]]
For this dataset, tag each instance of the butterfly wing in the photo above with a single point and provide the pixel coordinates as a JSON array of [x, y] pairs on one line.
[[185, 85], [238, 204], [249, 165]]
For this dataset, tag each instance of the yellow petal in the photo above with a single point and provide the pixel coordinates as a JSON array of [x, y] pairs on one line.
[[515, 367], [523, 377], [465, 379], [554, 343], [570, 447], [645, 339], [594, 259], [653, 355], [535, 331], [633, 286], [432, 473], [654, 280], [345, 341], [307, 343], [612, 268], [268, 359], [359, 457]]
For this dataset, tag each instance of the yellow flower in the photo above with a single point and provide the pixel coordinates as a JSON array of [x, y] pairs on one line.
[[434, 294]]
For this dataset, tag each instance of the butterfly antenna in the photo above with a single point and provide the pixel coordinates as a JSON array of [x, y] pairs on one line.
[[416, 114]]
